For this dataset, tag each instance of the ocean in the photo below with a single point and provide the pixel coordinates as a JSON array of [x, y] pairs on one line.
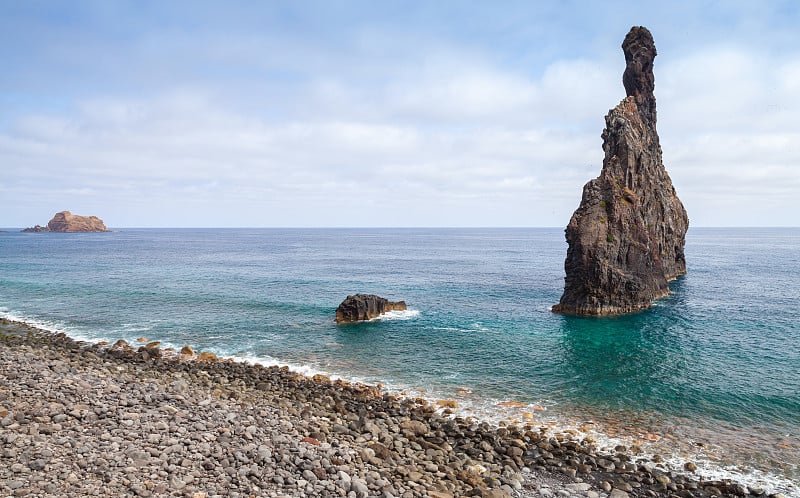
[[710, 374]]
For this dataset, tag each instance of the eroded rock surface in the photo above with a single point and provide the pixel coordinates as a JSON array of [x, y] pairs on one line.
[[360, 307], [68, 222], [626, 239]]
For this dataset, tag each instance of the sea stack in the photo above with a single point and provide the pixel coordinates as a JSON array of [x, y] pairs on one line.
[[68, 222], [626, 238], [360, 307]]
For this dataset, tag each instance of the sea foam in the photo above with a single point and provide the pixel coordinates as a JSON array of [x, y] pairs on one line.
[[408, 314]]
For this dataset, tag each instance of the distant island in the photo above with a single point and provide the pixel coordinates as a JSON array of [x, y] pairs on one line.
[[68, 222]]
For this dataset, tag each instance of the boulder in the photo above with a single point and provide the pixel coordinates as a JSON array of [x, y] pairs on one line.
[[626, 239], [206, 357], [360, 307], [68, 222]]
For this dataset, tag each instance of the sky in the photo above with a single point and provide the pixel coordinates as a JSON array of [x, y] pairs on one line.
[[384, 114]]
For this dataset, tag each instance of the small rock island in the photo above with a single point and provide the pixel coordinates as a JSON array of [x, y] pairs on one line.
[[626, 239], [360, 307], [68, 222]]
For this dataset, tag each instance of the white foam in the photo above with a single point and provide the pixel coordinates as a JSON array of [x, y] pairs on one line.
[[132, 327], [396, 315], [39, 324], [495, 413], [474, 327], [707, 468], [269, 361], [710, 470], [449, 329], [49, 326]]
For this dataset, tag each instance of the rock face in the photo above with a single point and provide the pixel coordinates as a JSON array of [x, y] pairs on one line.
[[365, 307], [627, 236], [68, 222], [36, 229]]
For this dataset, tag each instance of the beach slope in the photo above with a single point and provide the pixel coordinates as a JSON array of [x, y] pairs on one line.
[[79, 419]]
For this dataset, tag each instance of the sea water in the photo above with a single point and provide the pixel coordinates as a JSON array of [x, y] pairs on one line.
[[710, 374]]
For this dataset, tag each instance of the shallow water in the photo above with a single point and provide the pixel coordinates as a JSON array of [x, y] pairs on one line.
[[712, 372]]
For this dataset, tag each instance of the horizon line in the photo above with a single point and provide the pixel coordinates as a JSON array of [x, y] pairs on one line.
[[374, 227]]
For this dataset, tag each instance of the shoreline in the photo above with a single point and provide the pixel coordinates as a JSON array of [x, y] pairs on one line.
[[655, 440], [385, 445]]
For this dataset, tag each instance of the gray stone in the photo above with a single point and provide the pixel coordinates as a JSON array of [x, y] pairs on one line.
[[15, 484], [579, 487], [359, 487], [623, 486]]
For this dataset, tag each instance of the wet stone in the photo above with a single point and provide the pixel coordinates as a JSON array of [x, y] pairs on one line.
[[204, 429]]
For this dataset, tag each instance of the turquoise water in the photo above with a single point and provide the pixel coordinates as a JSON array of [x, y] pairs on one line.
[[711, 373]]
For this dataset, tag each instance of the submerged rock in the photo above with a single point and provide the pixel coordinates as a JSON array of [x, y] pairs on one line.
[[365, 307], [626, 239], [68, 222]]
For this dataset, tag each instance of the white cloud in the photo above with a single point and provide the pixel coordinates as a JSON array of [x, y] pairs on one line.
[[161, 155], [729, 121], [733, 88], [450, 139], [459, 94]]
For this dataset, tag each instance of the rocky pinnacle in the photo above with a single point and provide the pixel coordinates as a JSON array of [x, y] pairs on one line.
[[627, 236]]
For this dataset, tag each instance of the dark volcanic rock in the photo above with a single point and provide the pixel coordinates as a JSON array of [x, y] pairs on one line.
[[68, 222], [626, 238], [364, 307], [36, 229]]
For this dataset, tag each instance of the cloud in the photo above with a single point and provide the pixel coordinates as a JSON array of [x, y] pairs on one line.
[[396, 127], [177, 149], [733, 87], [730, 121]]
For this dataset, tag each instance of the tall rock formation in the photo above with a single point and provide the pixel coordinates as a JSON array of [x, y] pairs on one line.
[[627, 236], [68, 222]]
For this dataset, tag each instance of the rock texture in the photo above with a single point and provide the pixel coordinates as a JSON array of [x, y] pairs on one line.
[[365, 307], [36, 229], [68, 222], [80, 419], [626, 238]]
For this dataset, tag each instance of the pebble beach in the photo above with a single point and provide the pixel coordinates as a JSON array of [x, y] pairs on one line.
[[82, 419]]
